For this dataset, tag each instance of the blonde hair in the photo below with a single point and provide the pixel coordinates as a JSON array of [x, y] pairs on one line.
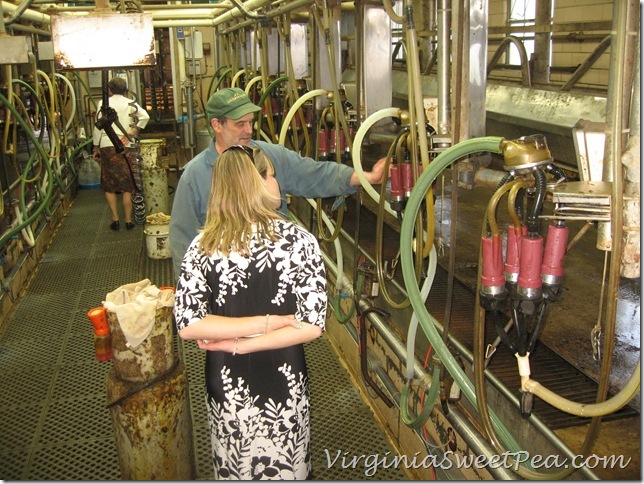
[[240, 204]]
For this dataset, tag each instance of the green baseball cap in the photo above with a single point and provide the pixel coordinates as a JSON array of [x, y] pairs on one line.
[[231, 102]]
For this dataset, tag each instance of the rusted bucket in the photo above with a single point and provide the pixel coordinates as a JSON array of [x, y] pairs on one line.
[[153, 357]]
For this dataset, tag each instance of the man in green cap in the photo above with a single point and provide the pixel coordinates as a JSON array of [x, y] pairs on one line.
[[231, 115]]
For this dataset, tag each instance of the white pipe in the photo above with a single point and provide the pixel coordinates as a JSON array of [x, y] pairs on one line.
[[73, 95], [188, 13], [231, 14], [165, 24], [340, 283], [26, 231], [175, 80], [251, 82], [31, 15], [357, 147], [583, 409], [234, 13], [236, 77], [296, 105]]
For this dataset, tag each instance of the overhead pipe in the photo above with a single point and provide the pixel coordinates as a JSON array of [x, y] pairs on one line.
[[274, 12], [246, 12], [237, 13], [30, 29], [16, 15], [28, 14]]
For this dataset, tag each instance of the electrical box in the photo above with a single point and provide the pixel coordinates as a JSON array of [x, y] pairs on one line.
[[193, 68], [95, 79], [15, 50], [46, 51]]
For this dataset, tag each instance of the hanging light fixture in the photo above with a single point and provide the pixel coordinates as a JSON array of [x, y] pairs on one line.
[[102, 39]]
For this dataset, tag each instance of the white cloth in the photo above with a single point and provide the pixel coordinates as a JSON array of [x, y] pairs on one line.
[[135, 307]]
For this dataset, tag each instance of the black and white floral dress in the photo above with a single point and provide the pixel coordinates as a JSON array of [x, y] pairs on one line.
[[258, 404]]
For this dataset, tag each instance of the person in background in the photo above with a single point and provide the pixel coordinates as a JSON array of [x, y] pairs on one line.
[[116, 168], [231, 113], [251, 291]]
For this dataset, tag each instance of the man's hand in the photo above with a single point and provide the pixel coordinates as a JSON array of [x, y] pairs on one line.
[[374, 176]]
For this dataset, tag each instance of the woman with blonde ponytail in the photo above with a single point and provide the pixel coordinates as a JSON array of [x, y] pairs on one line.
[[251, 292]]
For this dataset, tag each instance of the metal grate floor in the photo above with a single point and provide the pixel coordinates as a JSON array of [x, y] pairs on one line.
[[55, 425]]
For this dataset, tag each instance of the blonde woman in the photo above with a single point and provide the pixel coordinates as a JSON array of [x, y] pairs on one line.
[[251, 291]]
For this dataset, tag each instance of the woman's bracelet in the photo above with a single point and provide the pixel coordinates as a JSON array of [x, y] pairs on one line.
[[266, 325], [235, 346]]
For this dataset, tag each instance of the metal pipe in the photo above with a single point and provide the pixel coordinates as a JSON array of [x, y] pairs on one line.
[[31, 30], [364, 364], [485, 177], [612, 172], [500, 50], [585, 66], [28, 14], [443, 50], [631, 159], [247, 13], [16, 15]]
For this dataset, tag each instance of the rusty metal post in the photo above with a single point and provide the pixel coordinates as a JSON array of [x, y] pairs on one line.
[[152, 426], [148, 398]]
